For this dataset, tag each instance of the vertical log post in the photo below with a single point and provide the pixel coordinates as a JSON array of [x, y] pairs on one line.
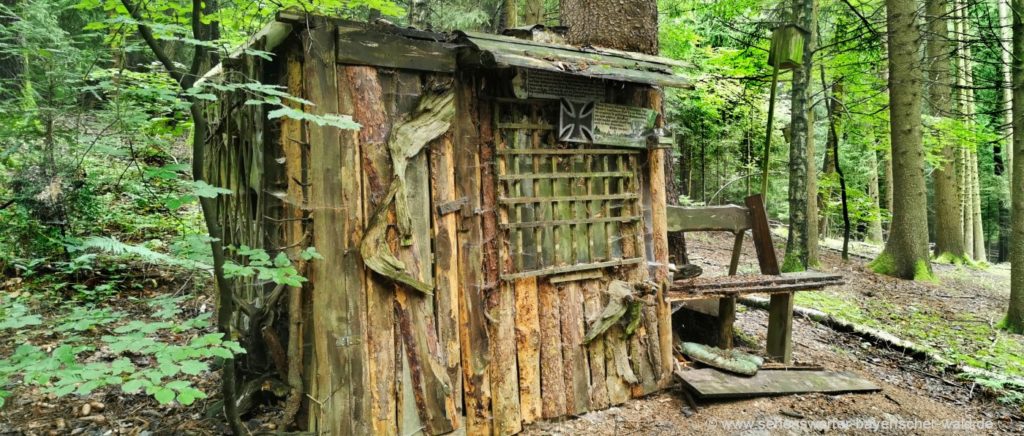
[[780, 311]]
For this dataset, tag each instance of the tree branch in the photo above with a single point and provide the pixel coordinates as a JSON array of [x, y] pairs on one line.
[[147, 34]]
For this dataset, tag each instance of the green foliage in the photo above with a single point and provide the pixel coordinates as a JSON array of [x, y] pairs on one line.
[[134, 356], [257, 263], [923, 272]]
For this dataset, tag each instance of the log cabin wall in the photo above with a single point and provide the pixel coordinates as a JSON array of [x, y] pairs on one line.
[[462, 340]]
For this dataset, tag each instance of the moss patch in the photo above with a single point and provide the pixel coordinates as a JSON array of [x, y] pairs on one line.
[[883, 264], [952, 259], [792, 263], [923, 272], [1012, 327]]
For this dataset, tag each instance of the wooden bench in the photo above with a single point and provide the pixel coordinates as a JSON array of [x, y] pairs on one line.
[[737, 220]]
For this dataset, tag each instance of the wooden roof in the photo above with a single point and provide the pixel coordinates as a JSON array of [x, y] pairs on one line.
[[597, 62], [384, 45]]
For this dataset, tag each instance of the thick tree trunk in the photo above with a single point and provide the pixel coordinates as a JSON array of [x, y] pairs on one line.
[[622, 24], [906, 251], [1015, 313], [948, 219], [797, 240]]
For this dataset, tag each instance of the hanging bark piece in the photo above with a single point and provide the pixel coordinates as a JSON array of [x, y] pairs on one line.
[[433, 119], [730, 360], [618, 292], [378, 256]]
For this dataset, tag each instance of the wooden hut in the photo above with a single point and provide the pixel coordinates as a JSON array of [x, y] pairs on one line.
[[500, 192]]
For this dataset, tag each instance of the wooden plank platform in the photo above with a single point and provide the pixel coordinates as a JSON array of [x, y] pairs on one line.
[[710, 383], [730, 286]]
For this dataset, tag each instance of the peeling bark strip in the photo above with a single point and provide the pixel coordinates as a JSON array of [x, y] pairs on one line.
[[293, 144], [372, 114], [340, 311], [433, 118]]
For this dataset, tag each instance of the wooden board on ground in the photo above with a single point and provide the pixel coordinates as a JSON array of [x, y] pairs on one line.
[[710, 383]]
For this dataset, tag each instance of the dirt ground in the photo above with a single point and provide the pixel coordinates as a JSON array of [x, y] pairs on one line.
[[915, 397]]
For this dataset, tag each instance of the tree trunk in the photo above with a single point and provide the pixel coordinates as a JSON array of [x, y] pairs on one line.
[[974, 233], [419, 13], [948, 219], [833, 143], [533, 12], [622, 24], [1005, 21], [1015, 314], [510, 14], [874, 234], [906, 251], [812, 193], [797, 240]]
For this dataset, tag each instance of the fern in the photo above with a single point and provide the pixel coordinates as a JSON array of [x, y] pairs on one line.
[[114, 247]]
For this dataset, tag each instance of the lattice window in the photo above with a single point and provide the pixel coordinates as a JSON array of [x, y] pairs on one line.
[[564, 207]]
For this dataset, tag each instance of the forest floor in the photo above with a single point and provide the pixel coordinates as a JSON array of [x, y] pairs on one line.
[[953, 317]]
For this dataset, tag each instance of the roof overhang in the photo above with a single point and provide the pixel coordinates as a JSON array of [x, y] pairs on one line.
[[391, 46]]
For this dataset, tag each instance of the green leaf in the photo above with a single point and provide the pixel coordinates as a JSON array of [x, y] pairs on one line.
[[193, 367], [206, 190], [178, 385], [134, 385], [343, 122], [163, 395], [281, 260], [189, 395]]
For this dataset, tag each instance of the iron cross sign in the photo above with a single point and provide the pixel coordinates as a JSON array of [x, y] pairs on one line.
[[576, 121]]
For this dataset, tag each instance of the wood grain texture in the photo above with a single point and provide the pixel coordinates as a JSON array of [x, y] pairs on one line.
[[552, 368], [340, 311], [593, 304], [574, 356], [294, 147], [472, 323], [446, 268], [528, 348], [500, 295], [662, 337], [371, 112]]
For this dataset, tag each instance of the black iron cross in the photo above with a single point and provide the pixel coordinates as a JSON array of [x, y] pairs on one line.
[[576, 121]]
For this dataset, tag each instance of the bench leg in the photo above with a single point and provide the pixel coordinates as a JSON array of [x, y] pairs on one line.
[[726, 318], [780, 327], [737, 248]]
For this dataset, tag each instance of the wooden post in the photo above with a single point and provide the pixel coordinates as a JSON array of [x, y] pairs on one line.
[[472, 323], [727, 306], [380, 292], [780, 310], [662, 338], [339, 309]]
